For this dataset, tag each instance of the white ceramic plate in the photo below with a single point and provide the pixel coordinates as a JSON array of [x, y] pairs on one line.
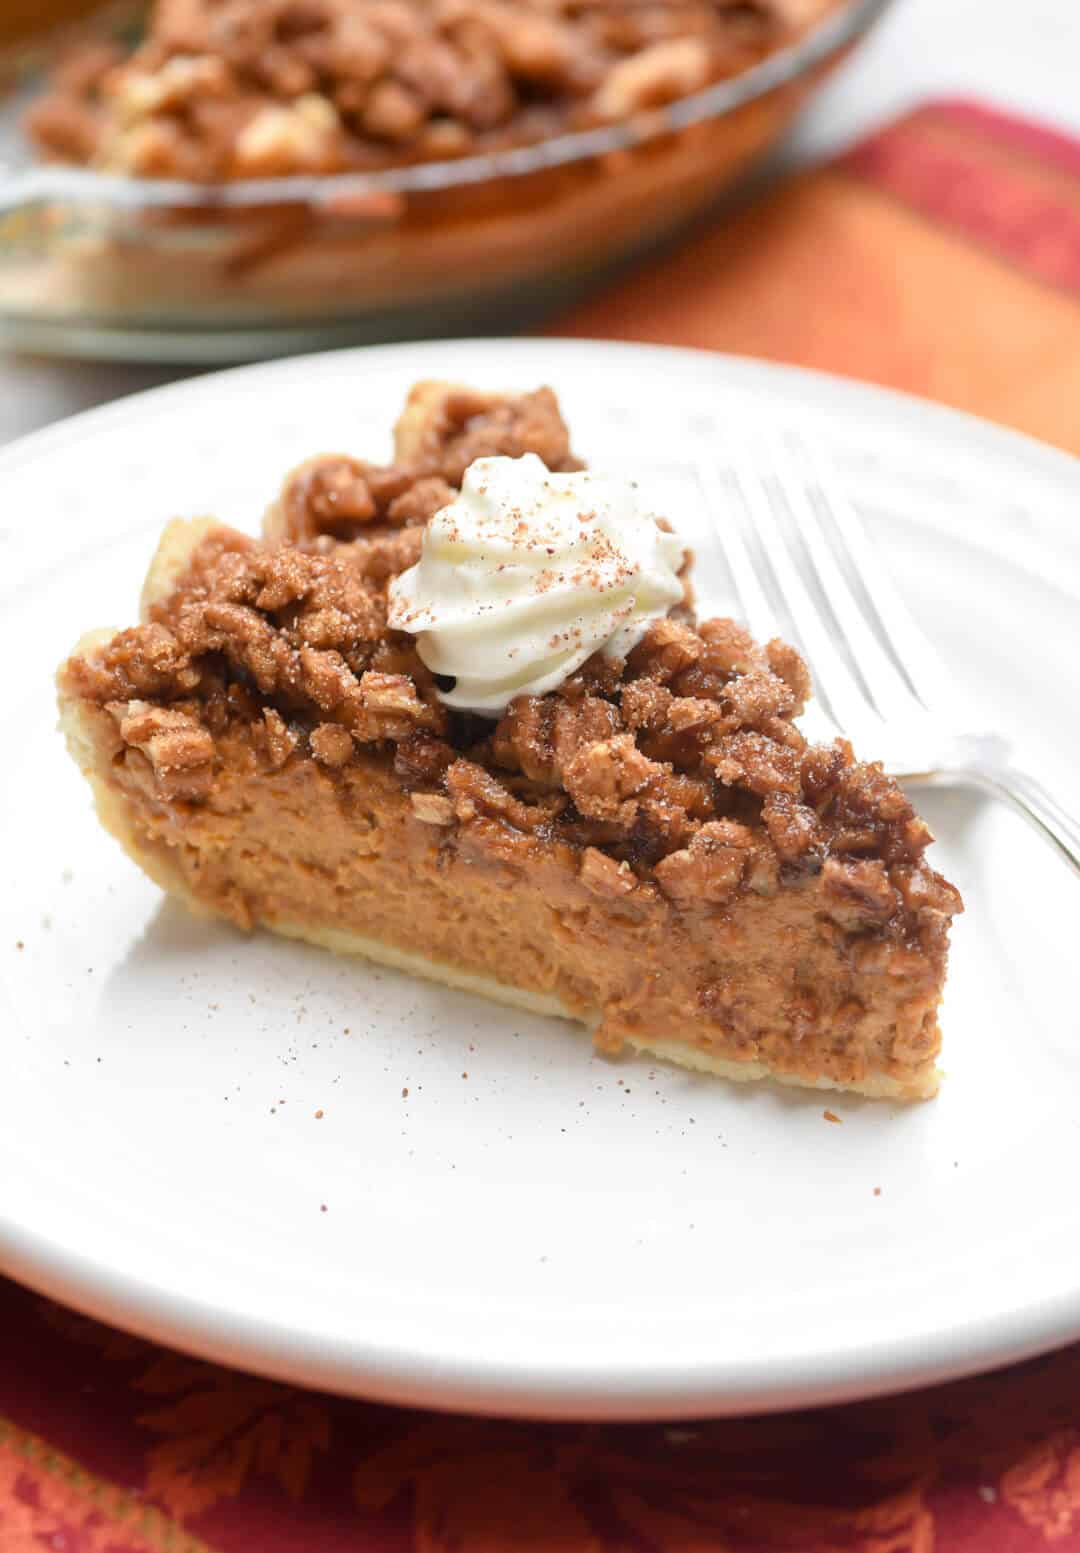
[[552, 1234]]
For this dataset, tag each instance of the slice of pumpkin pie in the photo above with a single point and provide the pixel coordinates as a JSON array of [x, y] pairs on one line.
[[456, 714]]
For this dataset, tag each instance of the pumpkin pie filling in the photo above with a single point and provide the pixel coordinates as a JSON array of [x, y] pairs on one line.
[[652, 847]]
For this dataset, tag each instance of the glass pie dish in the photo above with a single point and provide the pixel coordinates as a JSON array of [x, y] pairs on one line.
[[98, 263]]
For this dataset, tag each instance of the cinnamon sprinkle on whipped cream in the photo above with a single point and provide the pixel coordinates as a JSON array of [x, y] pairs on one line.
[[526, 574]]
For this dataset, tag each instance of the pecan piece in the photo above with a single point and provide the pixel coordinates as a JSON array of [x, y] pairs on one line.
[[862, 891], [604, 876], [754, 762], [180, 750], [711, 868], [432, 808], [793, 827], [332, 745], [602, 778], [278, 739]]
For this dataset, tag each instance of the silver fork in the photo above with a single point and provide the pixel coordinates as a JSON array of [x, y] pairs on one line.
[[876, 677]]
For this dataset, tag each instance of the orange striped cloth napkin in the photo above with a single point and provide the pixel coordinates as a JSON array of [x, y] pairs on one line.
[[942, 257]]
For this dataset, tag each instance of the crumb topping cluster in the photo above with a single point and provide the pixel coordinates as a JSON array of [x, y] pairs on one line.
[[224, 89], [678, 770], [442, 430]]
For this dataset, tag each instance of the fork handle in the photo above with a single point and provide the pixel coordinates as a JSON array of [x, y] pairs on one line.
[[1029, 798]]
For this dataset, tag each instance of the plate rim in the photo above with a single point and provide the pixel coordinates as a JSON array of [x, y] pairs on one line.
[[756, 371], [267, 1348], [249, 1341]]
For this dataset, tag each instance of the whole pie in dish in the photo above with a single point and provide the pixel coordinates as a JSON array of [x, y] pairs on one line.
[[253, 170], [635, 835], [226, 89]]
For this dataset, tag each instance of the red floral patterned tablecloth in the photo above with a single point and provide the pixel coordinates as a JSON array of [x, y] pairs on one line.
[[112, 1445]]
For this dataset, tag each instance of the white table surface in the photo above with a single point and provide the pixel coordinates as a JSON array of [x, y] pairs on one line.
[[1025, 57]]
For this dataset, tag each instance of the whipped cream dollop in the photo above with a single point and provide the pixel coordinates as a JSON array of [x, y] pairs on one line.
[[528, 573]]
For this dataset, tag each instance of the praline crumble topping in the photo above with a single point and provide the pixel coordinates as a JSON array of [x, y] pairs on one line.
[[757, 902]]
